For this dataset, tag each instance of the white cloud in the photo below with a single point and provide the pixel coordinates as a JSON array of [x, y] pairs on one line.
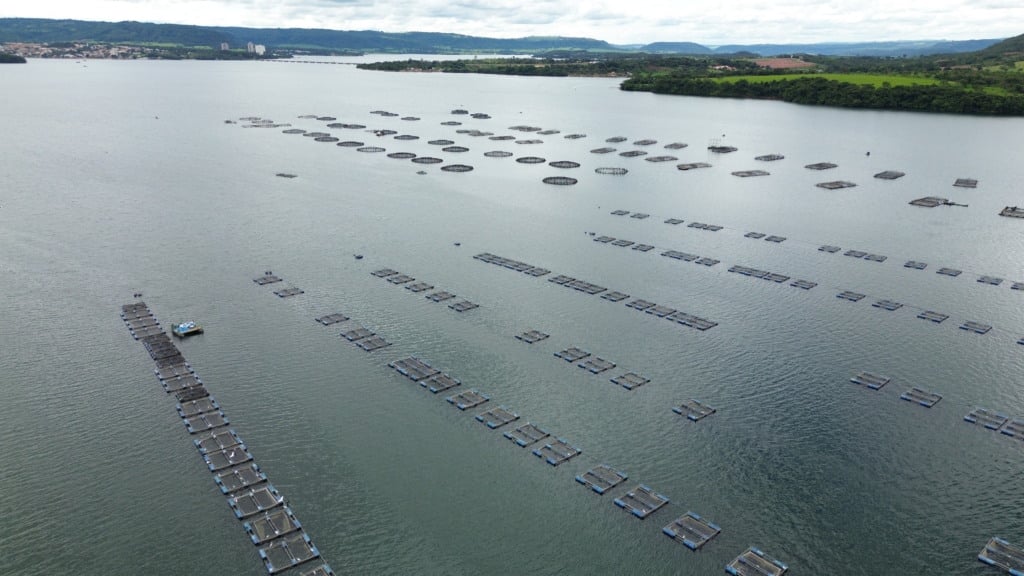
[[617, 21]]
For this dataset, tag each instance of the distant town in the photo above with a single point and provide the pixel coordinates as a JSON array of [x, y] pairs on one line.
[[101, 50]]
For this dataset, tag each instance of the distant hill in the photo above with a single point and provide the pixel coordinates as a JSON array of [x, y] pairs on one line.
[[1008, 46], [53, 31]]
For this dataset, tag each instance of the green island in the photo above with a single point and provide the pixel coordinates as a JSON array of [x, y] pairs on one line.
[[984, 82]]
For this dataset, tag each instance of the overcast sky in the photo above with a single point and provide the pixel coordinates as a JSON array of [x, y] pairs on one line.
[[708, 22]]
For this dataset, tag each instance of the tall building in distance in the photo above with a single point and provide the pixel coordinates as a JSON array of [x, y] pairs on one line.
[[260, 49], [224, 46], [250, 48]]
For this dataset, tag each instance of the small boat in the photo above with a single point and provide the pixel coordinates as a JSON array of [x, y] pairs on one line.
[[186, 329], [359, 256]]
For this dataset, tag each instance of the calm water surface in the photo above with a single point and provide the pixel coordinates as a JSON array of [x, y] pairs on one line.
[[120, 177]]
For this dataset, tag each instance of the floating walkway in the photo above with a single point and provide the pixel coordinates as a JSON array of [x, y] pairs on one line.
[[691, 530], [754, 562], [694, 410], [601, 478], [642, 501], [922, 397], [271, 524], [557, 452], [872, 381], [526, 435], [1002, 554]]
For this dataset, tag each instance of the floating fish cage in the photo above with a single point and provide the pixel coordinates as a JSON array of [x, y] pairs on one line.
[[821, 166], [850, 295], [676, 146], [523, 128], [337, 125], [455, 149], [548, 132], [693, 166], [468, 399], [754, 235], [616, 139], [334, 318], [953, 272], [602, 150], [889, 305], [557, 452], [829, 248], [439, 383], [286, 175], [630, 380], [749, 173], [614, 296], [349, 144], [694, 410], [623, 243], [441, 142], [645, 142], [1000, 553], [356, 334], [384, 113], [560, 180], [754, 562], [293, 131], [532, 336], [498, 154], [287, 292], [661, 159], [572, 354], [803, 284], [890, 175], [612, 171], [326, 118], [410, 118], [575, 136], [303, 117], [427, 160], [601, 478], [769, 157], [440, 296], [870, 380], [526, 435], [326, 139], [991, 280], [497, 417], [922, 397], [530, 160], [960, 182], [402, 155], [353, 126], [372, 343], [451, 123], [501, 138], [370, 149], [987, 418], [835, 185], [564, 164], [480, 116], [915, 265], [463, 306], [855, 253], [530, 141], [722, 149], [642, 501], [633, 153], [419, 287], [460, 111], [936, 317], [457, 168], [407, 137], [976, 327], [315, 134], [691, 530]]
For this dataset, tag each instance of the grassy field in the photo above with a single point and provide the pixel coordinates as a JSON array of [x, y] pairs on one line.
[[875, 80]]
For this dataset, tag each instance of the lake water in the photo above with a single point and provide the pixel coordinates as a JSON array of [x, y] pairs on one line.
[[123, 177]]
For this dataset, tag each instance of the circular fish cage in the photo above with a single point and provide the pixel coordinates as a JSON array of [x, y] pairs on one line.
[[402, 155], [315, 134], [457, 168], [407, 137], [661, 159], [441, 142], [564, 164], [632, 153], [548, 132], [498, 138], [497, 154], [532, 141], [575, 136], [427, 160], [530, 160], [326, 139], [455, 149], [560, 180], [294, 131], [612, 171], [676, 146], [350, 144], [602, 150], [645, 142], [370, 149], [616, 139], [410, 118], [326, 118], [451, 123]]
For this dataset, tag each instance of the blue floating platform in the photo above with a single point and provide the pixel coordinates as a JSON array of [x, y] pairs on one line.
[[497, 417], [922, 397], [526, 435], [694, 410], [601, 478], [870, 380], [987, 418], [754, 562], [1002, 554], [691, 530], [642, 501], [557, 452]]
